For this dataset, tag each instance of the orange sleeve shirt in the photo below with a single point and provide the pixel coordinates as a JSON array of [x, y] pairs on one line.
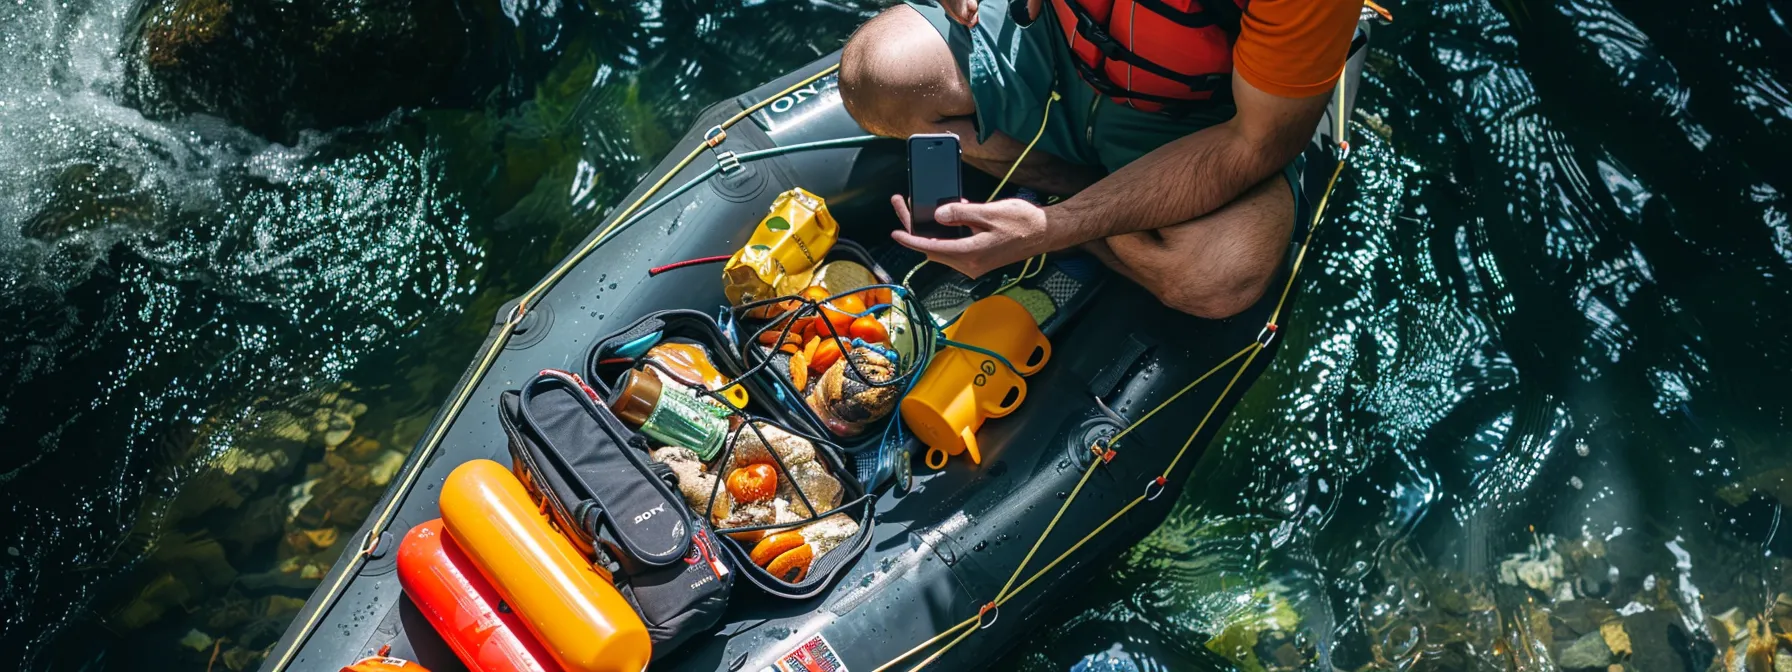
[[1294, 48]]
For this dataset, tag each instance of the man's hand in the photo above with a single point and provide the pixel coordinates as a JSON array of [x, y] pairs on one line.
[[962, 11], [1002, 233]]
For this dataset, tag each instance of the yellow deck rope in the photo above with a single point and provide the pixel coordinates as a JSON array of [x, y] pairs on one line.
[[1043, 117], [1026, 270], [459, 400], [1249, 353]]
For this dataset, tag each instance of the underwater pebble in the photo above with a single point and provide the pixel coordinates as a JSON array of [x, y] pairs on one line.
[[1588, 652], [384, 467], [1538, 568], [196, 640], [341, 425], [323, 538], [301, 495], [238, 658]]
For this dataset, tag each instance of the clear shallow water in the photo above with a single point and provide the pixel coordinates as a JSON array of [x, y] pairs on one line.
[[1534, 382]]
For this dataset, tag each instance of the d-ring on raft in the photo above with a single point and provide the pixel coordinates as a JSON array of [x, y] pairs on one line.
[[957, 544]]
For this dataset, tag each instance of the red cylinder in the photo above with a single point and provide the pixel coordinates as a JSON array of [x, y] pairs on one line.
[[576, 614], [463, 606]]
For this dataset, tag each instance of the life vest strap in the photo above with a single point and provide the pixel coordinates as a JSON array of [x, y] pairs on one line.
[[1209, 15], [1171, 106], [1091, 30]]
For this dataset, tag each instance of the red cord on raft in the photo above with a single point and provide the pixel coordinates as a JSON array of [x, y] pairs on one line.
[[688, 262]]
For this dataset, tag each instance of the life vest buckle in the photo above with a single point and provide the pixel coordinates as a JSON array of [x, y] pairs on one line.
[[1104, 43]]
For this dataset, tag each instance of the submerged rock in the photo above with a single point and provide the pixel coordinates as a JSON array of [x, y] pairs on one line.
[[1588, 652], [384, 467], [238, 658], [88, 196], [161, 594], [278, 67], [1539, 568], [359, 449]]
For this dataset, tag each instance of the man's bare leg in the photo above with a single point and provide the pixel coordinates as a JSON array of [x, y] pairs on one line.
[[1214, 266], [898, 78]]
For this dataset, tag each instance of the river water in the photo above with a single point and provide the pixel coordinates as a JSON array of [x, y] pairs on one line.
[[1530, 409]]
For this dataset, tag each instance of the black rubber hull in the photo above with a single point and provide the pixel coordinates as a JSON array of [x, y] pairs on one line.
[[940, 550]]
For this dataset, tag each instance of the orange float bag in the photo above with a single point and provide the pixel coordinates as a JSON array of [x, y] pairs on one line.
[[582, 621]]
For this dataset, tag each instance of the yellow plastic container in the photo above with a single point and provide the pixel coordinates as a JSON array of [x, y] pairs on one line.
[[691, 362], [962, 388], [580, 618], [781, 256]]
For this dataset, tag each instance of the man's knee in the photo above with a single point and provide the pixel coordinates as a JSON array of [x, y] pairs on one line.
[[1208, 276], [1220, 285], [1212, 301], [897, 76]]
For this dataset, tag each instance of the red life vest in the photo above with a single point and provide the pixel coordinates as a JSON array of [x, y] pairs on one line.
[[1154, 55]]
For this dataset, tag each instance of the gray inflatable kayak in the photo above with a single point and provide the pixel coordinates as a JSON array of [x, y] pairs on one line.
[[963, 560]]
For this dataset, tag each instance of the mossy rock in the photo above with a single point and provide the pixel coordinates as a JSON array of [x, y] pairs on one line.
[[277, 67]]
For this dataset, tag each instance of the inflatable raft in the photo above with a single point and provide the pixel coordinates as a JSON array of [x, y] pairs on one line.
[[960, 560]]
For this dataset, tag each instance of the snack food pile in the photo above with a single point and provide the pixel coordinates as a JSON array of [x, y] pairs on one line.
[[754, 492]]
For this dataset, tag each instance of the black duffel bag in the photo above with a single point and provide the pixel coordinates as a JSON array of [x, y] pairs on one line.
[[592, 474], [620, 351]]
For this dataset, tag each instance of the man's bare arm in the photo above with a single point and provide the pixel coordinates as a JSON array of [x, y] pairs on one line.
[[1174, 184], [1194, 175]]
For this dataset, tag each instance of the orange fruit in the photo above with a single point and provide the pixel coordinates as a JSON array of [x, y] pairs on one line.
[[774, 545], [799, 369], [870, 329], [814, 294], [752, 483], [841, 313], [826, 354]]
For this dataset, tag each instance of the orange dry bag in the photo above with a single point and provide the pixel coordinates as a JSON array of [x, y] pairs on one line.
[[463, 606], [577, 616]]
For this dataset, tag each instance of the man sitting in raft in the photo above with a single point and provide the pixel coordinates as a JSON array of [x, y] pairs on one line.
[[1183, 175]]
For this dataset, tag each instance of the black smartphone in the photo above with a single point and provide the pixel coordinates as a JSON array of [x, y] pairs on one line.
[[934, 179]]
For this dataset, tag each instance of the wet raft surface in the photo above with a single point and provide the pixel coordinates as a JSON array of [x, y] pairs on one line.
[[939, 550]]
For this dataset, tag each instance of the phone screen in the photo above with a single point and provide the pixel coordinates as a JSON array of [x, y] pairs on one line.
[[933, 180]]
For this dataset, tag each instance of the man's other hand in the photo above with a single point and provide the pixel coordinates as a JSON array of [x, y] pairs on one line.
[[962, 11], [1002, 233]]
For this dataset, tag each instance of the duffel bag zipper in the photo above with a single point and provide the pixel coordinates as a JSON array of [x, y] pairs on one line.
[[574, 379], [701, 539]]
